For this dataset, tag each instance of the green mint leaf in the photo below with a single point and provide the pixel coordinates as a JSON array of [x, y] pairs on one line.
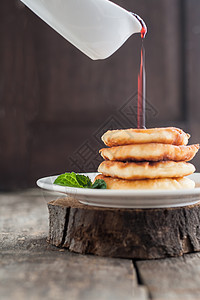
[[68, 179], [99, 184], [84, 181], [80, 181]]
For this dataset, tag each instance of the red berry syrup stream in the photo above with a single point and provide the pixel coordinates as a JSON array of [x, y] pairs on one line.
[[141, 80], [141, 91]]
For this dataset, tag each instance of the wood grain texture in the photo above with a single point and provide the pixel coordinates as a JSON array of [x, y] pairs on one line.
[[128, 233], [48, 273], [32, 269], [172, 279]]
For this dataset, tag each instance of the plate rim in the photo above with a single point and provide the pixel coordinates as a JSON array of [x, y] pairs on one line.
[[109, 192]]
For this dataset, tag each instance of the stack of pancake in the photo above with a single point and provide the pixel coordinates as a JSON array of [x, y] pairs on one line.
[[154, 158]]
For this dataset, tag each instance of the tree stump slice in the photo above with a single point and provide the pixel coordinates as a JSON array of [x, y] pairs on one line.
[[125, 233]]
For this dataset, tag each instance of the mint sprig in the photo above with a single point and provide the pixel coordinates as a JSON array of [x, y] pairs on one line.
[[99, 184], [80, 181]]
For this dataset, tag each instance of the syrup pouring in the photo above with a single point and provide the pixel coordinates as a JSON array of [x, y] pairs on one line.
[[141, 80]]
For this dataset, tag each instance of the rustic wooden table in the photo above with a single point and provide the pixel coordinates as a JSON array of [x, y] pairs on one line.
[[32, 269]]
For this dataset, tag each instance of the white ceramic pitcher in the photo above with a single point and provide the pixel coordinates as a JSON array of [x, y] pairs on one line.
[[96, 27]]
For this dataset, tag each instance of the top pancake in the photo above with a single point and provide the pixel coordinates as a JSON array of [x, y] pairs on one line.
[[168, 135]]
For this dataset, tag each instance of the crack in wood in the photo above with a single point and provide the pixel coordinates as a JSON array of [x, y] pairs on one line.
[[65, 226], [140, 280], [187, 245], [191, 242]]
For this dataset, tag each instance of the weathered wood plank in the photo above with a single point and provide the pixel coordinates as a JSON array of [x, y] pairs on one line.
[[172, 279], [32, 269], [62, 275]]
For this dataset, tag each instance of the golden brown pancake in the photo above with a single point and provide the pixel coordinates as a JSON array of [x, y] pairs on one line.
[[168, 135], [143, 170], [151, 184], [150, 152]]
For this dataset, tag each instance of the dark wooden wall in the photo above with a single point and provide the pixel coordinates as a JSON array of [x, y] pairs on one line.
[[55, 102]]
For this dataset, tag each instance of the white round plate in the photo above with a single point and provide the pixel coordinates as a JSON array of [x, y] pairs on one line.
[[127, 198]]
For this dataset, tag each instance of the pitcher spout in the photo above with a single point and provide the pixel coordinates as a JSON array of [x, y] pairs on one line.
[[143, 30], [98, 28]]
